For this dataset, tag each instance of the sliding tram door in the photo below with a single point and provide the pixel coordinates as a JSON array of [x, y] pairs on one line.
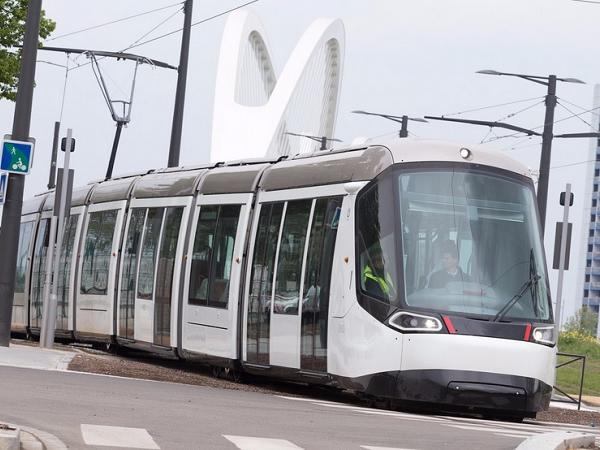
[[259, 302], [317, 281]]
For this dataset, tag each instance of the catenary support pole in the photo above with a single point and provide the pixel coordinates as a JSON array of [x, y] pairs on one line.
[[50, 302], [561, 262], [542, 191], [52, 176], [11, 213], [175, 146]]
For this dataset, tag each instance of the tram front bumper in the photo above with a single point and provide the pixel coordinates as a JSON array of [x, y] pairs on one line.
[[450, 389]]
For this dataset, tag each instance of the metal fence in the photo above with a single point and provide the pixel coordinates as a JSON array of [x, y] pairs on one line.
[[574, 359]]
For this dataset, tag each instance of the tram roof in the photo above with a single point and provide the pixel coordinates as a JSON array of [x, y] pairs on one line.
[[358, 163]]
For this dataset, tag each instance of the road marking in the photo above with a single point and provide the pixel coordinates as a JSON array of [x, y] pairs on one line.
[[371, 447], [117, 437], [259, 443], [492, 429]]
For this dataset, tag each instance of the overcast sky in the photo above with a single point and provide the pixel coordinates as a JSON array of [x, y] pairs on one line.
[[401, 57]]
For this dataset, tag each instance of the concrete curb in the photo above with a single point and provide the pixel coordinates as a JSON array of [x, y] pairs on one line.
[[10, 437], [33, 439], [559, 440]]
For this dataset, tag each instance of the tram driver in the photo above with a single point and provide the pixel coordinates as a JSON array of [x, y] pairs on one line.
[[450, 271]]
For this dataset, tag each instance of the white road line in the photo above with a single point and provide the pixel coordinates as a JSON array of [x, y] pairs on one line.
[[259, 443], [510, 435], [492, 429], [371, 447], [117, 437]]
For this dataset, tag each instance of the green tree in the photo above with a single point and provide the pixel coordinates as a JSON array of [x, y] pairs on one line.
[[584, 321], [12, 30]]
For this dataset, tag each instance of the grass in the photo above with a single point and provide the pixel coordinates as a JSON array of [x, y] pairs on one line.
[[568, 377]]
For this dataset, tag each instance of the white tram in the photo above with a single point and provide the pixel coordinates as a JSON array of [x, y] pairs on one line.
[[410, 271]]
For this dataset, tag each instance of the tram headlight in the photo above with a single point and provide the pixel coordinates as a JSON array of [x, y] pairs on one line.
[[408, 321], [544, 335]]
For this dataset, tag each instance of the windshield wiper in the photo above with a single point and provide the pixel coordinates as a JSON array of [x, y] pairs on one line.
[[529, 283]]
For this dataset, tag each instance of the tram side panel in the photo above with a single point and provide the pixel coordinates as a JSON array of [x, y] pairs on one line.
[[97, 270], [213, 276]]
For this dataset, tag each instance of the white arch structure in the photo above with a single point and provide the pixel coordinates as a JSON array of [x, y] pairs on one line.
[[254, 110]]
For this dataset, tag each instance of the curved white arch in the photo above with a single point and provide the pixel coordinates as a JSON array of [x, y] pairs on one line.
[[253, 110]]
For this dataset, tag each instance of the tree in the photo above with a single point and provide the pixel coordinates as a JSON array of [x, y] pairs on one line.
[[584, 321], [12, 30]]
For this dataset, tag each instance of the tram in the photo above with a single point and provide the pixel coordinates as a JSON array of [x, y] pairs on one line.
[[409, 271]]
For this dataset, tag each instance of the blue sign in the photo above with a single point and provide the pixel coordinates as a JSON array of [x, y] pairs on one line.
[[16, 157], [3, 185]]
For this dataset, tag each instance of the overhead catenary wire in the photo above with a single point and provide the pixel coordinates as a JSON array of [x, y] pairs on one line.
[[577, 106], [95, 27], [193, 25], [481, 108], [154, 28], [571, 112]]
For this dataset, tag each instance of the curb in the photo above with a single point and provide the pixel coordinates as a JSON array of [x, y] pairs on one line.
[[10, 437], [30, 438], [559, 440]]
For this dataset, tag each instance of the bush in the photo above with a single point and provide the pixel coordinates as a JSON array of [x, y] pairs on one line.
[[585, 322]]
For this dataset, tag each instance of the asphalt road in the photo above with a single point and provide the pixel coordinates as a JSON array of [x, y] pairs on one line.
[[92, 411]]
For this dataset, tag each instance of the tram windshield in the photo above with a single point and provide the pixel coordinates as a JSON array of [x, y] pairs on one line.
[[453, 240]]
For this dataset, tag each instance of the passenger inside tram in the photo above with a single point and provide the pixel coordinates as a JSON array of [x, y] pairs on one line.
[[450, 271]]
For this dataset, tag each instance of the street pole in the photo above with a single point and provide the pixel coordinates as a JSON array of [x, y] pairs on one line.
[[542, 191], [50, 301], [52, 176], [404, 129], [11, 213], [175, 146], [561, 264]]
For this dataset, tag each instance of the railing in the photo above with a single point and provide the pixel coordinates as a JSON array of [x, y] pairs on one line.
[[574, 359]]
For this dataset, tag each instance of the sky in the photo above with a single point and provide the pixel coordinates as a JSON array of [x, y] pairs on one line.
[[401, 57]]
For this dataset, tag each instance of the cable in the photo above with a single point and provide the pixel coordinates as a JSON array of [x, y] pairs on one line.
[[193, 24], [64, 93], [519, 111], [492, 106], [574, 164], [154, 28], [576, 115], [94, 27], [576, 106]]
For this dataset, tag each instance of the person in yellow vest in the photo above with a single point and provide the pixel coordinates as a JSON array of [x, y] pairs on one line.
[[376, 280]]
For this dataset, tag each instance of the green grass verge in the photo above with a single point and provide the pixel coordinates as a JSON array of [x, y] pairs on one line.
[[568, 377]]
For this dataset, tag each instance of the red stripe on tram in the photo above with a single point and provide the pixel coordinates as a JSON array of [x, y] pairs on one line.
[[449, 325], [527, 332]]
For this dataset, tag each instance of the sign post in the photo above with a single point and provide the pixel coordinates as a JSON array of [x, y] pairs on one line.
[[58, 226], [566, 201]]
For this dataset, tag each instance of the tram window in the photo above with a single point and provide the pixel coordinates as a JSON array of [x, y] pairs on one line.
[[264, 256], [168, 248], [376, 243], [64, 271], [203, 242], [213, 255], [39, 270], [291, 252], [149, 253], [222, 256], [97, 252], [25, 235]]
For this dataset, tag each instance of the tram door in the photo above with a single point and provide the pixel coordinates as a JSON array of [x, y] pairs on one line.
[[316, 284], [285, 314], [261, 285], [156, 266], [129, 262]]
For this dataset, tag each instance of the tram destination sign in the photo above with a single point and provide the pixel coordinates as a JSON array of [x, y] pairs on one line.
[[17, 156]]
